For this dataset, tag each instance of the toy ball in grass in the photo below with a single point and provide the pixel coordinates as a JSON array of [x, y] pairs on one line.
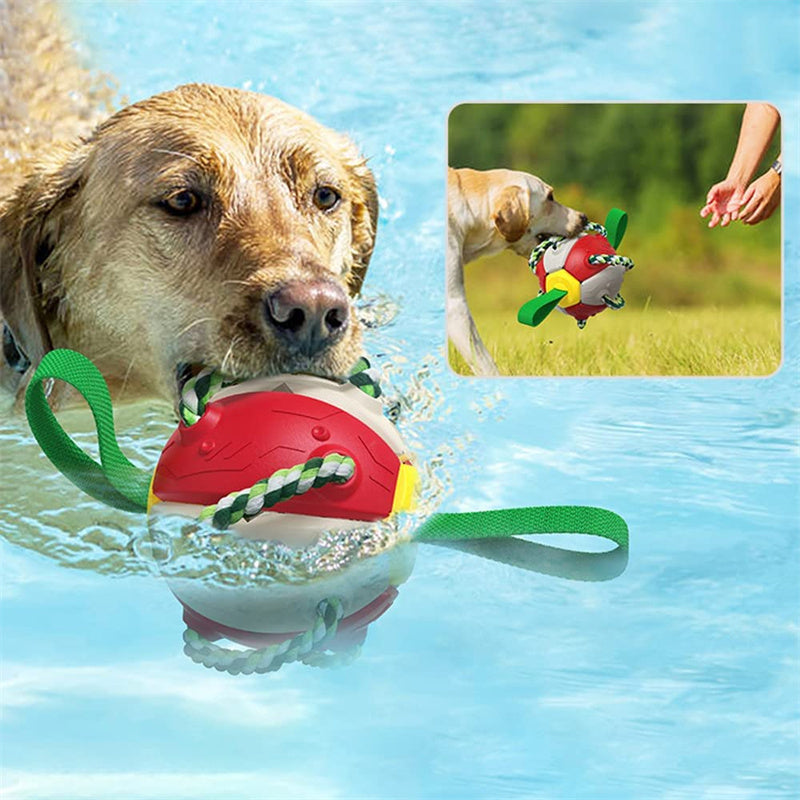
[[278, 454], [581, 276]]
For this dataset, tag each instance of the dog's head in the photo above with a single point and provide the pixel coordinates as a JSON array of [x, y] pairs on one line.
[[525, 213], [201, 226]]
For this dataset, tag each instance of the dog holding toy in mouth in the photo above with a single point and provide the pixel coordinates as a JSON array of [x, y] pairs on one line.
[[204, 226], [488, 212]]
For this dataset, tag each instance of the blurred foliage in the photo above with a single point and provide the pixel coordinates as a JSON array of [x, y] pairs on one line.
[[656, 161]]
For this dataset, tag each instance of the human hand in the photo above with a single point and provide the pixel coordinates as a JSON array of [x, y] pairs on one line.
[[762, 197], [723, 202]]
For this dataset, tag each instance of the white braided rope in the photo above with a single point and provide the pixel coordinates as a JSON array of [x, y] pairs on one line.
[[596, 260], [192, 404], [300, 478], [272, 657]]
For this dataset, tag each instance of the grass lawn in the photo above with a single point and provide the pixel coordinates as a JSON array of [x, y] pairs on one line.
[[686, 341], [697, 317]]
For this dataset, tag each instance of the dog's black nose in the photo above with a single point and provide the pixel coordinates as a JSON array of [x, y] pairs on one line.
[[310, 315], [584, 220]]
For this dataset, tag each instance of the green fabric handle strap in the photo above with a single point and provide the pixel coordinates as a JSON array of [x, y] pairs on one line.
[[121, 484], [115, 481], [495, 535], [535, 311], [516, 521]]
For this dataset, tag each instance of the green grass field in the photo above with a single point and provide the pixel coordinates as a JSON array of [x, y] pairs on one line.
[[688, 341], [688, 312]]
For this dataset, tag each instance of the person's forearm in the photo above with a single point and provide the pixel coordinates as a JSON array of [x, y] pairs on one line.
[[759, 123]]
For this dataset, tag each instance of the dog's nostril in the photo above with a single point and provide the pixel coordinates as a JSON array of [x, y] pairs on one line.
[[335, 318], [294, 322]]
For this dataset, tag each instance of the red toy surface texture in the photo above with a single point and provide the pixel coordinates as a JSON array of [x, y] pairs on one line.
[[243, 439]]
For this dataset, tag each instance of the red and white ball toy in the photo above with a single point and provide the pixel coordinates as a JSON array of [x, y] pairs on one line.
[[581, 276]]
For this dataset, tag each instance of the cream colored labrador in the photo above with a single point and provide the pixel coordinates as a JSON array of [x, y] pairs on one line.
[[204, 226], [488, 212]]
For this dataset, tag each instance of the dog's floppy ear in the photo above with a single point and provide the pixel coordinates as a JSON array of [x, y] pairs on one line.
[[30, 224], [511, 212], [363, 224]]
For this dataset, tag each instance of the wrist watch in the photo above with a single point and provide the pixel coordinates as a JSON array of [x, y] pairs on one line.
[[776, 165]]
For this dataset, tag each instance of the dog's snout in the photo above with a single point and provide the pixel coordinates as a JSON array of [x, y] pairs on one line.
[[309, 314], [578, 224]]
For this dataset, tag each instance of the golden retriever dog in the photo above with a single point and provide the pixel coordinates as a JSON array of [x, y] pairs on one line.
[[488, 212], [204, 226]]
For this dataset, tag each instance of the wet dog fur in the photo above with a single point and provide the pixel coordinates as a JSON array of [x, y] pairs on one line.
[[169, 237]]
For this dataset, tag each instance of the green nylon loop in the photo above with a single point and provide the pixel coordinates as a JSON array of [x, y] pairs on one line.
[[535, 311], [616, 225], [504, 522], [117, 482]]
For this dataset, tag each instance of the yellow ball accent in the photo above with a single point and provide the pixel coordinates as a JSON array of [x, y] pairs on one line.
[[564, 281], [152, 499], [405, 493]]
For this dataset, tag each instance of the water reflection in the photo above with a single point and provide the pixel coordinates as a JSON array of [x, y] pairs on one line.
[[254, 616], [252, 606], [571, 564]]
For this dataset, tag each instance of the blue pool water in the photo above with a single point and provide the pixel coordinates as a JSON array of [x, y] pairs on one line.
[[677, 679]]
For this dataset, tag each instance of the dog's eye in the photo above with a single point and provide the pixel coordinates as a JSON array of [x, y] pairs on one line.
[[182, 203], [550, 195], [326, 198]]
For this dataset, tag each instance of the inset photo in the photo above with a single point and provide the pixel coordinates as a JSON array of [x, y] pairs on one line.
[[592, 239]]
